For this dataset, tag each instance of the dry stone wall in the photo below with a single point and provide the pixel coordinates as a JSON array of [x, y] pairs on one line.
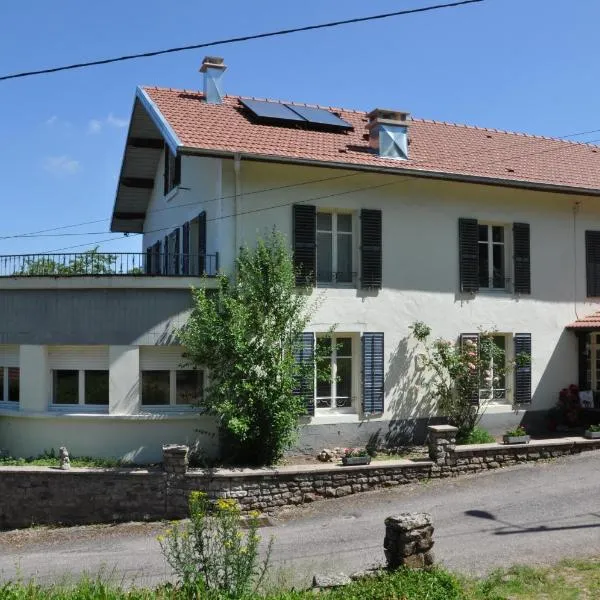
[[30, 495]]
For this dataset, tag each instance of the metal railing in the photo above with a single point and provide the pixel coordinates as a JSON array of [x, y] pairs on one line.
[[94, 264]]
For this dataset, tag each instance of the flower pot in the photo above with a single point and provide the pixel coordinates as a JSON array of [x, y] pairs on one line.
[[356, 460], [516, 439], [592, 435]]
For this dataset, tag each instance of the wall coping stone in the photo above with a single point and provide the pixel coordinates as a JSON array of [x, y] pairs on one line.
[[404, 463], [81, 470], [442, 428], [560, 442]]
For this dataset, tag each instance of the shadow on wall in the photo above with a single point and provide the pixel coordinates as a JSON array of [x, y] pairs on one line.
[[409, 401]]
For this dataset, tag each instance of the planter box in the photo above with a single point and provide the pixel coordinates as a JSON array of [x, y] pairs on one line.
[[592, 435], [356, 460], [516, 439]]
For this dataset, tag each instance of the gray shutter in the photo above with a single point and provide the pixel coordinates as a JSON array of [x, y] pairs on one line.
[[592, 263], [166, 169], [166, 255], [522, 260], [177, 253], [177, 174], [474, 387], [148, 265], [370, 249], [202, 243], [156, 259], [304, 353], [523, 373], [305, 243], [468, 254], [372, 373], [584, 360], [185, 249]]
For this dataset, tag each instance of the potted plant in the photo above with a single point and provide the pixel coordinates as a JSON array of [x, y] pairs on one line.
[[516, 436], [592, 432], [356, 456]]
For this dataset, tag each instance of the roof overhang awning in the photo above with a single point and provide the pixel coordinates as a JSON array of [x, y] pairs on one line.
[[585, 324], [148, 133]]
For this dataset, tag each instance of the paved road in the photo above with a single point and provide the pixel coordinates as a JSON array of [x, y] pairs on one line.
[[526, 514]]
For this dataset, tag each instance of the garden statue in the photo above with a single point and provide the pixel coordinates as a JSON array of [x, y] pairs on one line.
[[63, 454]]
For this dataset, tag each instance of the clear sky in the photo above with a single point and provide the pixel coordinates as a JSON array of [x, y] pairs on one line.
[[522, 65]]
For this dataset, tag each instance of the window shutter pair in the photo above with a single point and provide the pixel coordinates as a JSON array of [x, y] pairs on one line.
[[522, 374], [468, 245], [305, 246], [372, 372], [592, 263]]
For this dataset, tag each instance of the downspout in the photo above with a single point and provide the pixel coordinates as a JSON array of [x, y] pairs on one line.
[[237, 205]]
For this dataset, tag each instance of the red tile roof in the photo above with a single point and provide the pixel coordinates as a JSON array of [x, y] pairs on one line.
[[590, 322], [435, 147]]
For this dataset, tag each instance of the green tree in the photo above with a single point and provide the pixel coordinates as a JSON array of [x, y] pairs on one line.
[[461, 377], [245, 333], [90, 262]]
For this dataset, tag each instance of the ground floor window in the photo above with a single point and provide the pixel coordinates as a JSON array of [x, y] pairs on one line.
[[9, 384], [334, 392], [72, 386], [493, 382], [168, 387]]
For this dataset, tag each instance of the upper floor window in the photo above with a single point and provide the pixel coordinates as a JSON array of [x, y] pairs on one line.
[[492, 257], [334, 247], [484, 256], [172, 170]]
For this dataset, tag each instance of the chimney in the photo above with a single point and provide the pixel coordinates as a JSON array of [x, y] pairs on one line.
[[213, 68], [388, 132]]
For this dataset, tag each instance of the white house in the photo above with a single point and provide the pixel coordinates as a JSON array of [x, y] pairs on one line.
[[395, 219]]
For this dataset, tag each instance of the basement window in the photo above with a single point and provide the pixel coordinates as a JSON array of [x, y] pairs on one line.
[[79, 387], [172, 387], [9, 384]]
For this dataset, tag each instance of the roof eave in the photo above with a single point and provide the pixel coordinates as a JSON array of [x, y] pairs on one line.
[[406, 172]]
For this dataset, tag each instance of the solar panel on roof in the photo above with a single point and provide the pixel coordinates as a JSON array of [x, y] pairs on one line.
[[320, 116], [272, 110]]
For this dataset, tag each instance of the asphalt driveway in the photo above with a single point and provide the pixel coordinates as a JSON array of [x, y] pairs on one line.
[[532, 514]]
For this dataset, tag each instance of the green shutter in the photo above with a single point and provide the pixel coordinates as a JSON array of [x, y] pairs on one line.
[[522, 260], [522, 344], [305, 243], [371, 254], [592, 263], [468, 255], [373, 391], [304, 353]]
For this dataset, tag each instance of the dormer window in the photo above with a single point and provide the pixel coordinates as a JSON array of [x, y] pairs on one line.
[[172, 170]]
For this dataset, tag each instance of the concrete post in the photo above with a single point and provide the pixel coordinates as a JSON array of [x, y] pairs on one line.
[[408, 540], [441, 440]]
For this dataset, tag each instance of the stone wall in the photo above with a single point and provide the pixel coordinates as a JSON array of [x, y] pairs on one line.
[[39, 495]]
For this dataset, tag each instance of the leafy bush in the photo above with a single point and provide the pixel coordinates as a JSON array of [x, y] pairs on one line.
[[477, 435], [516, 432], [211, 556]]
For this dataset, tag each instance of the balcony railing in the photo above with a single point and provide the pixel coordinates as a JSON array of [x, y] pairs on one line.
[[95, 264]]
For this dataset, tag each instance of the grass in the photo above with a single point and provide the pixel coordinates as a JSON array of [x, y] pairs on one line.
[[477, 435], [569, 580], [50, 459]]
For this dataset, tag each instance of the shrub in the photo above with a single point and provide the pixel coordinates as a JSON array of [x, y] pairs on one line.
[[477, 435], [516, 432], [211, 555]]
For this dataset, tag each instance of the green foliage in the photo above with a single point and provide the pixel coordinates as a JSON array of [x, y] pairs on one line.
[[516, 432], [245, 334], [50, 459], [461, 373], [477, 435], [211, 556], [91, 262], [593, 428]]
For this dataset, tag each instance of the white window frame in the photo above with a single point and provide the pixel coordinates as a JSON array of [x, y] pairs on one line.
[[172, 391], [355, 381], [4, 399], [81, 404], [508, 359], [334, 250], [507, 255]]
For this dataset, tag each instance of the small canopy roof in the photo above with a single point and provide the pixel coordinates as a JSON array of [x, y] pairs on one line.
[[591, 322]]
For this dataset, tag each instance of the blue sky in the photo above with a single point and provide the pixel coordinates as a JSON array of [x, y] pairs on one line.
[[523, 65]]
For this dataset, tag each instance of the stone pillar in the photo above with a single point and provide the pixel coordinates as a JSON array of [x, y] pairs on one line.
[[408, 540], [441, 440], [175, 459]]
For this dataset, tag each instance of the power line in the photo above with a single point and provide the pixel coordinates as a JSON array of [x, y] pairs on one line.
[[245, 38]]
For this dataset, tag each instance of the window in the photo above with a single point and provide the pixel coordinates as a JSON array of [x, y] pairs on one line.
[[334, 358], [172, 387], [492, 257], [172, 170], [334, 248], [492, 385], [9, 384], [72, 386]]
